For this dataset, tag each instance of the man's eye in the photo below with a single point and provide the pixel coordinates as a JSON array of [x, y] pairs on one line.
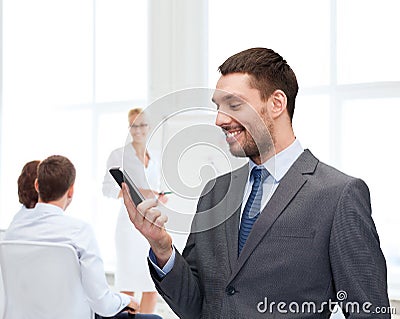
[[235, 106]]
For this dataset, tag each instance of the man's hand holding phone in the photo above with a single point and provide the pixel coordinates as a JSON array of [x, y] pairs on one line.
[[151, 223]]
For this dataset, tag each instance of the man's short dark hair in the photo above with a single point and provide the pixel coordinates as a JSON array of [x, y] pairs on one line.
[[268, 72], [56, 174]]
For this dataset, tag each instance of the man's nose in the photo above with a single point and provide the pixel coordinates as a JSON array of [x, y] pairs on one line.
[[222, 118]]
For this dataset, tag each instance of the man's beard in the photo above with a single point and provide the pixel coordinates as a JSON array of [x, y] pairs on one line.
[[263, 134]]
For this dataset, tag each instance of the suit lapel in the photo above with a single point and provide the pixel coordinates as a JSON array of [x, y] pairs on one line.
[[289, 186], [234, 200]]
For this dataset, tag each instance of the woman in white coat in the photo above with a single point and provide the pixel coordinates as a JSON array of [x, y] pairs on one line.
[[132, 274]]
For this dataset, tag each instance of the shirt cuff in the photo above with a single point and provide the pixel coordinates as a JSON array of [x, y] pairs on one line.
[[125, 301], [168, 266]]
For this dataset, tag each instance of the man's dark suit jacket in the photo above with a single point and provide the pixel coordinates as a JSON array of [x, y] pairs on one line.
[[314, 241]]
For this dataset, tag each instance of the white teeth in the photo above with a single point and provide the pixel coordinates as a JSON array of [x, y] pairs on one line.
[[232, 134]]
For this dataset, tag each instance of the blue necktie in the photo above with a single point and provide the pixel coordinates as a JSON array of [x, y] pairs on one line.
[[253, 206]]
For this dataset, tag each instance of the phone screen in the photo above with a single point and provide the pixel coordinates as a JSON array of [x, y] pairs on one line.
[[123, 177]]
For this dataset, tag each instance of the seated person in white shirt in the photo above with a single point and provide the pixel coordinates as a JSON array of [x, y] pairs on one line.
[[47, 222]]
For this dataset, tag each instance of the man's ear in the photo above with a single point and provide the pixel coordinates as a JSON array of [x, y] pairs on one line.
[[278, 102], [70, 192]]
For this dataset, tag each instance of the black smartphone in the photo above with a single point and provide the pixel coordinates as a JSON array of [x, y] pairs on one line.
[[120, 177]]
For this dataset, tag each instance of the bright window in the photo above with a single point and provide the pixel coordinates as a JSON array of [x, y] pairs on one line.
[[366, 41], [71, 71], [238, 25]]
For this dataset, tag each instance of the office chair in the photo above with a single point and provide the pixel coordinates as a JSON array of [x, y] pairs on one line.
[[42, 280]]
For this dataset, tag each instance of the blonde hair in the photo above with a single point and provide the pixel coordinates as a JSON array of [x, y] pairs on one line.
[[135, 111]]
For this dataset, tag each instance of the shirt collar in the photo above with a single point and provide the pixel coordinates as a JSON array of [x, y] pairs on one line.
[[149, 151], [48, 208], [278, 165]]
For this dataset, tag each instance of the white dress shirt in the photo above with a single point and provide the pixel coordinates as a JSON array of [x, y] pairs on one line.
[[48, 223], [277, 167]]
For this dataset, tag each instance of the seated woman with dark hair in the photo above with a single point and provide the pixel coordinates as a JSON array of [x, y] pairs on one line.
[[27, 193]]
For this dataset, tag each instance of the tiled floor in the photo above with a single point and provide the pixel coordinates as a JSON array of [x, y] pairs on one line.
[[164, 310], [396, 305]]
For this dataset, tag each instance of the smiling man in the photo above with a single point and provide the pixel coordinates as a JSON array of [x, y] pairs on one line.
[[296, 235]]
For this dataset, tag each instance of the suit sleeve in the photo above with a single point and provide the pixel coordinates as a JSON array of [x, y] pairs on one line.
[[180, 287], [358, 264]]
